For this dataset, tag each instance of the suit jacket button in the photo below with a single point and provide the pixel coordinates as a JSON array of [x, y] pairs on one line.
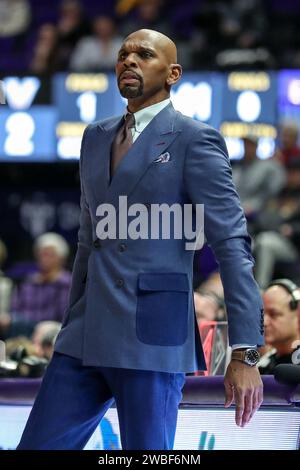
[[122, 247], [120, 283], [97, 243]]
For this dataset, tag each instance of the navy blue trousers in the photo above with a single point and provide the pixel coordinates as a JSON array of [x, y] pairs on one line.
[[73, 399]]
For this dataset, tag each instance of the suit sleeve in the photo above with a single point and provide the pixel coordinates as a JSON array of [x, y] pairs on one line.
[[84, 244], [208, 180]]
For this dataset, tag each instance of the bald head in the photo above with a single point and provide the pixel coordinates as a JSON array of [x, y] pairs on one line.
[[278, 295], [158, 41], [147, 68], [281, 322]]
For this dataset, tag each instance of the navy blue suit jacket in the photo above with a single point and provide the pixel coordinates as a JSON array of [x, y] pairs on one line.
[[131, 301]]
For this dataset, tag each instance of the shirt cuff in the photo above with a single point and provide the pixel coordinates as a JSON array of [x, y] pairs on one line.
[[246, 346]]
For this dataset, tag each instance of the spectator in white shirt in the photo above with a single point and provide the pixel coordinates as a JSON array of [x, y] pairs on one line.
[[98, 51]]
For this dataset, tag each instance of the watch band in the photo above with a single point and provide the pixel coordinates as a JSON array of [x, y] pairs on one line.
[[238, 355]]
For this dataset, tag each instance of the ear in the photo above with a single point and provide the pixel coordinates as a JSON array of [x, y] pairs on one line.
[[175, 72]]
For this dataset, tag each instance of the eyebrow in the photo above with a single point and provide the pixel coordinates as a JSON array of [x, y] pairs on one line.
[[138, 48]]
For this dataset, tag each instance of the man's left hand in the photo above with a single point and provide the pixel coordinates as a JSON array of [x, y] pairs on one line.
[[243, 385]]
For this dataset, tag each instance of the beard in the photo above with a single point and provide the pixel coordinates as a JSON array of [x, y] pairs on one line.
[[129, 91]]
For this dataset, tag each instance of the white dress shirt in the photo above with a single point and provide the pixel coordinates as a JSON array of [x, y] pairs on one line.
[[145, 116]]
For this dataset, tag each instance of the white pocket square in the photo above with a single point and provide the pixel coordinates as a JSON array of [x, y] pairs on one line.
[[163, 158]]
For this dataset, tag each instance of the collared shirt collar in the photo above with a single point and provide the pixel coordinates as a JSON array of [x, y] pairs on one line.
[[145, 115]]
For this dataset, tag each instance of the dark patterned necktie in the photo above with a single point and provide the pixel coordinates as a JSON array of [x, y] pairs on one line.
[[122, 142]]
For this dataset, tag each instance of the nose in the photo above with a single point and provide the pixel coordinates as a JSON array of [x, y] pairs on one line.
[[266, 319], [130, 60]]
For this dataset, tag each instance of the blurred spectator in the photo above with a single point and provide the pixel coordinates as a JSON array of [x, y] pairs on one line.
[[15, 17], [72, 25], [242, 23], [244, 58], [279, 239], [298, 295], [22, 359], [148, 14], [5, 283], [122, 7], [288, 149], [28, 357], [232, 33], [213, 284], [281, 328], [228, 34], [45, 54], [99, 51], [242, 31], [282, 34], [208, 306], [55, 43], [209, 299], [43, 338], [257, 180], [18, 347], [44, 295], [207, 23]]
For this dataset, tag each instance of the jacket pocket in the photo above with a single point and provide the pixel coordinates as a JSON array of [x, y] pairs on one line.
[[162, 308]]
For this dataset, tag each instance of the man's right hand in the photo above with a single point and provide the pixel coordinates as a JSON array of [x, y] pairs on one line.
[[243, 385]]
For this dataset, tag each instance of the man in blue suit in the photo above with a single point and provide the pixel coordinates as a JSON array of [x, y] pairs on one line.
[[129, 333]]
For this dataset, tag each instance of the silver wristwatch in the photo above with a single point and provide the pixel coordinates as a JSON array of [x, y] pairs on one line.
[[249, 356]]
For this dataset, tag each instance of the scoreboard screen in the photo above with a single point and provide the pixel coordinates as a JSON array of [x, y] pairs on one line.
[[81, 99], [249, 106], [44, 119], [28, 135], [289, 95], [199, 95]]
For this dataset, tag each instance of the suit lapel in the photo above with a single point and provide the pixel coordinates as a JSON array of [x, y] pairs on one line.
[[153, 141], [101, 166]]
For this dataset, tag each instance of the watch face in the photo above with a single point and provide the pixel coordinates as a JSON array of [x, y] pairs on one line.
[[251, 357]]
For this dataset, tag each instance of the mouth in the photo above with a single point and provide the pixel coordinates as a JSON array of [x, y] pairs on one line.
[[129, 78]]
